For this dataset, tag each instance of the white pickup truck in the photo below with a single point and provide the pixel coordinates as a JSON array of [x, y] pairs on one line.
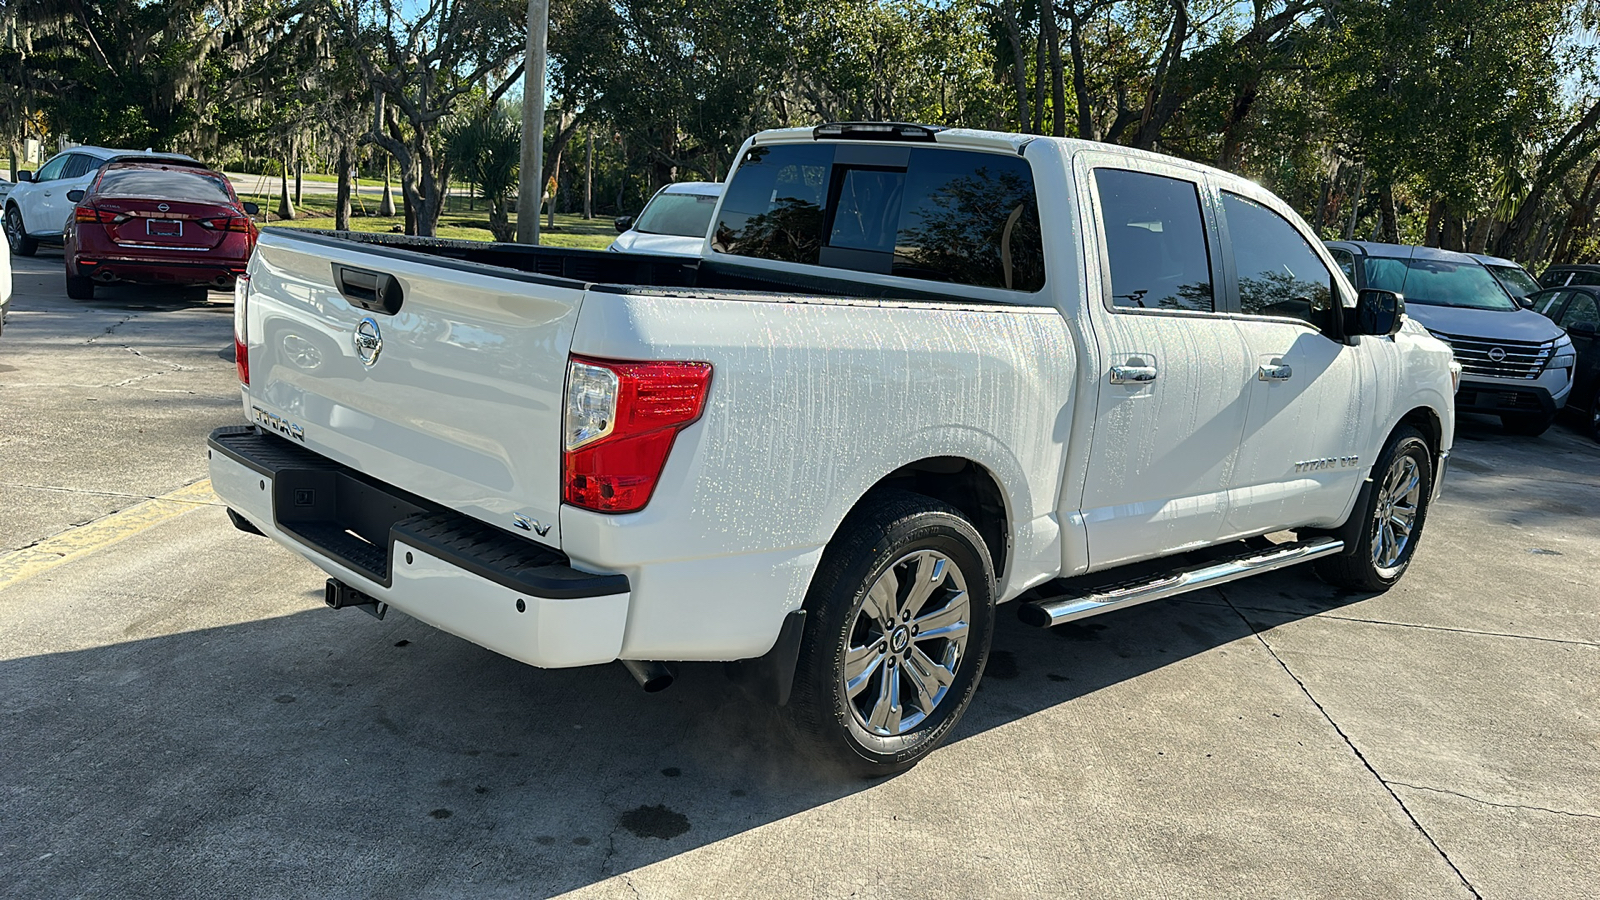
[[916, 373]]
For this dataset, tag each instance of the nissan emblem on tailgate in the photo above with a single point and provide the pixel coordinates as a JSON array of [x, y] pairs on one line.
[[369, 342]]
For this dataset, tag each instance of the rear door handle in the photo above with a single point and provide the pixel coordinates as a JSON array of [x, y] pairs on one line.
[[1274, 372], [377, 292], [1133, 374]]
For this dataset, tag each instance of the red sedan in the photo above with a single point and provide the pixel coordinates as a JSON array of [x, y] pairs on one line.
[[157, 222]]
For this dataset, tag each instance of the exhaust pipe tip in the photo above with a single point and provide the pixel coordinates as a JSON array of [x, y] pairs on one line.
[[653, 676]]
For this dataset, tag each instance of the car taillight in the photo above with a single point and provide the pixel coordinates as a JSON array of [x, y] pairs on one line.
[[230, 223], [93, 216], [621, 419], [241, 327]]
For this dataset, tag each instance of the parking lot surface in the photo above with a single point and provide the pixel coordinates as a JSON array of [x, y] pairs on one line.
[[181, 717]]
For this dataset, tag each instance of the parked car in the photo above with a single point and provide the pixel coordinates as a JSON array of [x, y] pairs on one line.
[[1576, 308], [1575, 273], [5, 284], [37, 208], [1514, 278], [1515, 363], [5, 190], [148, 221], [673, 223], [914, 373]]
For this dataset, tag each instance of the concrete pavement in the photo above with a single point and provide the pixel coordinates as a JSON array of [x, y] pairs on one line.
[[180, 716]]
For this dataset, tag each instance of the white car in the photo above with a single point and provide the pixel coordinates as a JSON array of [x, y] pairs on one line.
[[5, 284], [673, 223], [916, 373], [5, 188], [37, 206]]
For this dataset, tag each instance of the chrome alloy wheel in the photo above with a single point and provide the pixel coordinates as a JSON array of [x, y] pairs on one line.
[[1396, 514], [907, 643]]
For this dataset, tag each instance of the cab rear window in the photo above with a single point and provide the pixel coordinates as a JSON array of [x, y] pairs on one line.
[[917, 212]]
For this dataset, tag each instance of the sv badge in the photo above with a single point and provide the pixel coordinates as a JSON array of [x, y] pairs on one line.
[[527, 524]]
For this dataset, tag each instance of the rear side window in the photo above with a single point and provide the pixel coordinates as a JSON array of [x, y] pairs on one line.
[[1546, 303], [78, 165], [1582, 277], [1155, 241], [1279, 273], [933, 214], [164, 184]]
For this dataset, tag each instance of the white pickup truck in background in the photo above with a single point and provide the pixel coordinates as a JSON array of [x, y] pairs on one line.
[[915, 373]]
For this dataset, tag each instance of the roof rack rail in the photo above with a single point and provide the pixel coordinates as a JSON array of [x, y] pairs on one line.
[[877, 131]]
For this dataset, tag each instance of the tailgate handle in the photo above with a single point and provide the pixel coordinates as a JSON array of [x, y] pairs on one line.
[[377, 292]]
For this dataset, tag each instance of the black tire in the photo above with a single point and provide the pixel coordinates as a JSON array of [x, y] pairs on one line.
[[1360, 567], [895, 530], [80, 288], [17, 233], [195, 293], [1526, 424]]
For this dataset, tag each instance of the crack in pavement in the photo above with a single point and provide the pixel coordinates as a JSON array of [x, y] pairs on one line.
[[1559, 812], [1352, 745], [1421, 625]]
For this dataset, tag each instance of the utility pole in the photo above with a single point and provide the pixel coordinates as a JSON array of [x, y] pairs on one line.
[[530, 183]]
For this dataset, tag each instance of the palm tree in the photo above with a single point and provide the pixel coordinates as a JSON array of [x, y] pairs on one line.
[[487, 150]]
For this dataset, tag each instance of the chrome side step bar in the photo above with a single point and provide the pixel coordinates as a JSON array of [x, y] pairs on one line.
[[1070, 607]]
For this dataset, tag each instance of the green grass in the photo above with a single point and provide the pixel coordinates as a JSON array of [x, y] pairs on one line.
[[458, 223]]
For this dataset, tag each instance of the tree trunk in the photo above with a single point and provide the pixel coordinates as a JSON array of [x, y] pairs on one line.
[[1019, 61], [1058, 93], [1452, 234], [1080, 82], [1040, 67], [531, 183], [555, 192], [386, 207], [299, 169], [1480, 233], [1431, 231], [588, 178], [1388, 219], [341, 204], [1355, 202], [285, 208]]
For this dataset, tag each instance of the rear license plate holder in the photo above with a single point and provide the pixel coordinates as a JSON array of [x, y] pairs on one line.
[[163, 227]]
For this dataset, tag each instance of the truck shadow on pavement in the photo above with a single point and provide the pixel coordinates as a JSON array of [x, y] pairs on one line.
[[334, 755]]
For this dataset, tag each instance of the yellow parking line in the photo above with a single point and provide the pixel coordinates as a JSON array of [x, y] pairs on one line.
[[79, 542]]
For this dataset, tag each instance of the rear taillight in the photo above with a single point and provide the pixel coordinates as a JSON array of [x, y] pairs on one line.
[[230, 223], [241, 327], [621, 419], [94, 216]]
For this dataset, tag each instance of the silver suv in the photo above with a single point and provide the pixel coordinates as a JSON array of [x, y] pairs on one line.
[[1515, 363]]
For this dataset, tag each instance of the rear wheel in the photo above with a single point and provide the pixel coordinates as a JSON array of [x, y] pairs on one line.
[[80, 287], [1526, 424], [17, 233], [1392, 517], [901, 614]]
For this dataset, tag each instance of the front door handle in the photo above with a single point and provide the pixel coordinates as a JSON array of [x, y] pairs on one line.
[[1133, 374], [1274, 372]]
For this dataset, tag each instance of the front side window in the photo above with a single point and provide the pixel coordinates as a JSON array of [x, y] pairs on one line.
[[1547, 303], [52, 169], [1345, 260], [1436, 282], [1515, 280], [1279, 273], [684, 215], [1155, 241], [932, 214]]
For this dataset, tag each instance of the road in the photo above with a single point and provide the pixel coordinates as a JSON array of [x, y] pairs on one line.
[[181, 717]]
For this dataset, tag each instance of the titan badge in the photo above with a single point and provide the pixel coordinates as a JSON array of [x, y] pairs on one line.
[[1331, 462], [278, 424]]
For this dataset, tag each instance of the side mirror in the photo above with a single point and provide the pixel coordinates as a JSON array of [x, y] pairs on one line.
[[252, 209], [623, 223], [1525, 303], [1376, 313], [23, 176], [74, 195], [1582, 329]]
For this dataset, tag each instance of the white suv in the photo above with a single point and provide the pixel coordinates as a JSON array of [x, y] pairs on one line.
[[37, 207]]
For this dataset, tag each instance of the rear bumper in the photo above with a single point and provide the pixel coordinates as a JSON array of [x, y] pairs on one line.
[[508, 594], [107, 269]]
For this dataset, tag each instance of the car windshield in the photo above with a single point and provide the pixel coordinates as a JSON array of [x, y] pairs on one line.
[[1515, 280], [1437, 282], [685, 215], [162, 183]]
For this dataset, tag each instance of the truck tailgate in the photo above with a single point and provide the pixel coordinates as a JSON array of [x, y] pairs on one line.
[[445, 381]]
